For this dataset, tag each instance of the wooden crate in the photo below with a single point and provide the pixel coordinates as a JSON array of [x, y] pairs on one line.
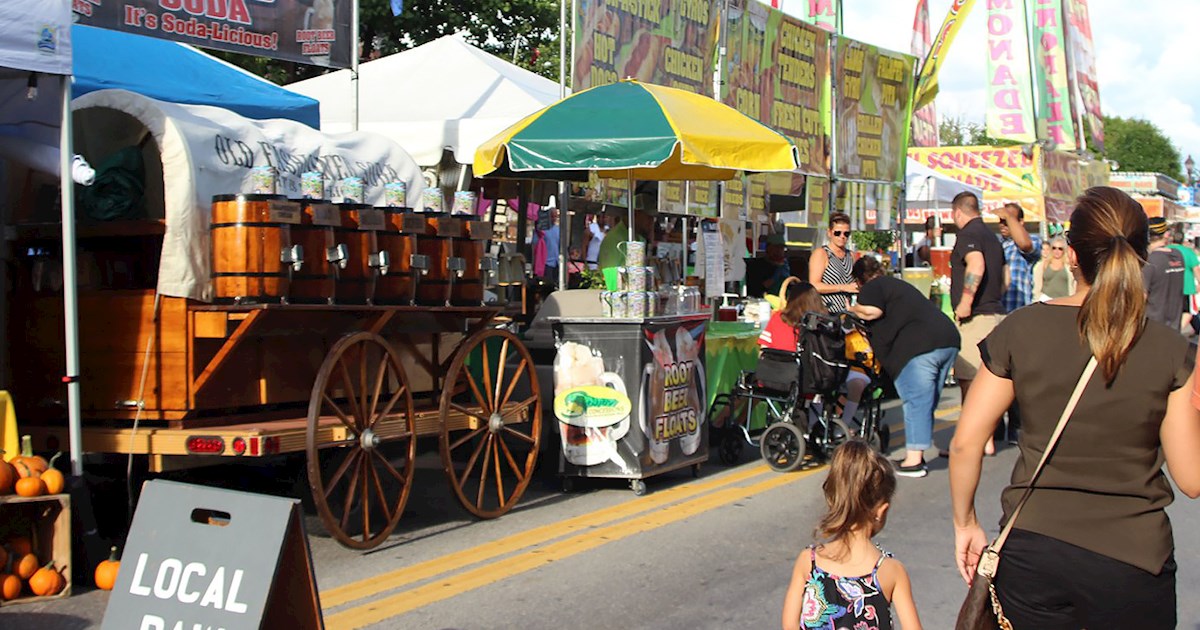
[[47, 520]]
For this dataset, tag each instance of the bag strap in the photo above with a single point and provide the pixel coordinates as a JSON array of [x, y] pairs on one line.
[[1037, 472]]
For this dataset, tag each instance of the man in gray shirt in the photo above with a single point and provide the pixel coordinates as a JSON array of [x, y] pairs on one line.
[[1163, 275]]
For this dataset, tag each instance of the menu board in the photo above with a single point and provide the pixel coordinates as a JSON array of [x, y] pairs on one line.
[[874, 98]]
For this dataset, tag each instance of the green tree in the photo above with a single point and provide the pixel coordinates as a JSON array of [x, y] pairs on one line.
[[960, 132], [1138, 145], [524, 32]]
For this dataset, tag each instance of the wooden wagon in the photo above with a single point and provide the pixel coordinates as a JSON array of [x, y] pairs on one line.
[[352, 385]]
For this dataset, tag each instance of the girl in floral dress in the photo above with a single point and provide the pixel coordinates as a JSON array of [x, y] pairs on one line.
[[845, 581]]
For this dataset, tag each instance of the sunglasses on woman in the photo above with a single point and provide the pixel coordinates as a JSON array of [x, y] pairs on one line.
[[1058, 249], [841, 233]]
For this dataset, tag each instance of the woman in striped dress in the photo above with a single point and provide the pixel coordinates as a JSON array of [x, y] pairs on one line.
[[829, 267]]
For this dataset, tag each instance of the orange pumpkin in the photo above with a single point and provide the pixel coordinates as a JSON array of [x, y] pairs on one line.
[[19, 546], [28, 461], [106, 571], [10, 584], [47, 581], [8, 476], [26, 566], [53, 477], [31, 487]]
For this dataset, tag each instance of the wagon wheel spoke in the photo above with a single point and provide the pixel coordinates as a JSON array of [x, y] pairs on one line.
[[512, 462], [366, 499], [479, 397], [388, 467], [387, 511], [512, 385], [518, 434], [471, 462], [521, 405], [466, 438], [487, 453], [467, 412], [499, 478], [348, 386], [487, 372], [384, 366], [350, 498], [362, 386], [391, 404], [337, 411], [341, 470], [500, 373]]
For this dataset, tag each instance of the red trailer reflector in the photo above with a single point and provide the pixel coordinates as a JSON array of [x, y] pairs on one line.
[[205, 445], [254, 446], [239, 445], [271, 445]]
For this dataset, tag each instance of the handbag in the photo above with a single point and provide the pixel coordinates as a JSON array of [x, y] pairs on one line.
[[981, 609]]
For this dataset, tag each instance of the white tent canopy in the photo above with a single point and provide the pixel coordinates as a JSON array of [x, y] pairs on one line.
[[929, 189], [202, 151], [446, 94]]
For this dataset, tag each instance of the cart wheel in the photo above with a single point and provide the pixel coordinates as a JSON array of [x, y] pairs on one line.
[[731, 447], [491, 416], [782, 447], [638, 486], [360, 403]]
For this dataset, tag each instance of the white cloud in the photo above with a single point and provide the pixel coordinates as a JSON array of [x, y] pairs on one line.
[[1147, 57]]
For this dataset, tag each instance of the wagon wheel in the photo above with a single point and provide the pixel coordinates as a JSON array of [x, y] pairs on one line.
[[490, 444], [360, 402]]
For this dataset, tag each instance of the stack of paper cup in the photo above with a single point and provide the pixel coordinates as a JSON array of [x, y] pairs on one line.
[[395, 194], [262, 180], [352, 190], [464, 202], [431, 200], [635, 253], [312, 185]]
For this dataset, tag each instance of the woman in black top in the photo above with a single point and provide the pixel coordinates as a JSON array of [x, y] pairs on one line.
[[916, 344]]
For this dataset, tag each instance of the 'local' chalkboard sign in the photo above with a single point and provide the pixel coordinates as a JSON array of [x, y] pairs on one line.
[[209, 558]]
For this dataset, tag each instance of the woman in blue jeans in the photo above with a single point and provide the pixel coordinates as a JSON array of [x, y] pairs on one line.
[[916, 344]]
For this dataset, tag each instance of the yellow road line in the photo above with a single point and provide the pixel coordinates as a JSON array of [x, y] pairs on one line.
[[431, 568], [400, 603]]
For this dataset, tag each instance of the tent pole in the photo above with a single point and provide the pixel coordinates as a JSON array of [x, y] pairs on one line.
[[70, 286], [354, 54], [631, 204]]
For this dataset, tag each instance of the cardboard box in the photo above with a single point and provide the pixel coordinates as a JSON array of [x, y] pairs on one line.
[[47, 520]]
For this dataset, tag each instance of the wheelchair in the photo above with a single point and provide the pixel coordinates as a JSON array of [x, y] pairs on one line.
[[793, 427]]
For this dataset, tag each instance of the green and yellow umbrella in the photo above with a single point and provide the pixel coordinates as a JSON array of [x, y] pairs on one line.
[[636, 130]]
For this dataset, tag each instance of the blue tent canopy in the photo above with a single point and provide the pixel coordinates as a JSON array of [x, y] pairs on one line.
[[173, 72]]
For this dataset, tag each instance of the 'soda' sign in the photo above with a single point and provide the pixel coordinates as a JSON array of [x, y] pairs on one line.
[[203, 558]]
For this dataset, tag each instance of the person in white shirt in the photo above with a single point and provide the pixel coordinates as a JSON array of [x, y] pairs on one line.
[[597, 228]]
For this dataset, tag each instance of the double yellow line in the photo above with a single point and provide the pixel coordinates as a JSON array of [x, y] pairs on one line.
[[590, 531]]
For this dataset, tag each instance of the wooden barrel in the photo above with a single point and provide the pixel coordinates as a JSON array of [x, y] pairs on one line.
[[468, 290], [356, 281], [250, 235], [432, 287], [395, 286], [314, 282]]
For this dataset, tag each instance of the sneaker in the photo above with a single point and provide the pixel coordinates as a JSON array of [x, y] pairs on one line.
[[916, 470]]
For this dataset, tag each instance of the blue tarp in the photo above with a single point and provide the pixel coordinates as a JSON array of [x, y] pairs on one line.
[[168, 71]]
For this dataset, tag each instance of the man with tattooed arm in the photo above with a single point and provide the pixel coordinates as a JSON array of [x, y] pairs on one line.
[[977, 283]]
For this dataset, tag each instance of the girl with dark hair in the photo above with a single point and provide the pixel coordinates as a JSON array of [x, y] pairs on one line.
[[858, 493], [1093, 545]]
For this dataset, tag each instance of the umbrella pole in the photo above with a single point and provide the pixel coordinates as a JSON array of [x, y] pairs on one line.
[[70, 287], [631, 204]]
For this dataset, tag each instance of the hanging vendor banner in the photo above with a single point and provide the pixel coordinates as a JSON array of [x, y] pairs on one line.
[[1055, 119], [697, 199], [1083, 57], [775, 73], [924, 132], [873, 100], [1005, 174], [1010, 95], [666, 42], [315, 32], [927, 82], [737, 193]]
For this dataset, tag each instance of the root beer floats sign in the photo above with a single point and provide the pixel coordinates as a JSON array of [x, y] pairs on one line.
[[307, 31]]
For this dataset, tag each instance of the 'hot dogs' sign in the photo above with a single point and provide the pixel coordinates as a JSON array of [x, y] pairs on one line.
[[201, 557]]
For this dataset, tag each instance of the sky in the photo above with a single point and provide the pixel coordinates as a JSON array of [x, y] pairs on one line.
[[1147, 57]]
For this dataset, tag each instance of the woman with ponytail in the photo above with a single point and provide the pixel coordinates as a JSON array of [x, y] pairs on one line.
[[1093, 545]]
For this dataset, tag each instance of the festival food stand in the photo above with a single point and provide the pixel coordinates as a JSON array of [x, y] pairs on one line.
[[642, 357], [236, 314]]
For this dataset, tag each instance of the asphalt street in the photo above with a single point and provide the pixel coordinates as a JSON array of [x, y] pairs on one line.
[[713, 552]]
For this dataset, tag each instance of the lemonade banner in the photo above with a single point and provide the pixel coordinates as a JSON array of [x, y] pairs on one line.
[[1010, 93], [665, 42], [1005, 174], [873, 110]]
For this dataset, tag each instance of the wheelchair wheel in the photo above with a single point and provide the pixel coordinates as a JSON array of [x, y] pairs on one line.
[[782, 447], [874, 431], [829, 433], [730, 450]]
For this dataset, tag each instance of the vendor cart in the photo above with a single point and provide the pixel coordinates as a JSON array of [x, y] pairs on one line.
[[628, 396]]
